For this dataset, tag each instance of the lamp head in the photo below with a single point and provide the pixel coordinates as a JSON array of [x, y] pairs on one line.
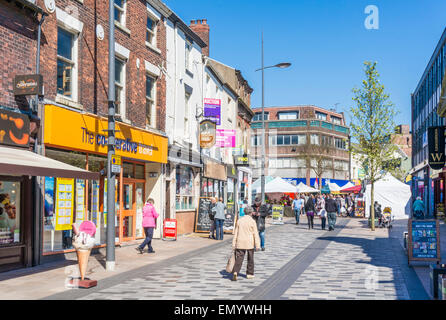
[[283, 65]]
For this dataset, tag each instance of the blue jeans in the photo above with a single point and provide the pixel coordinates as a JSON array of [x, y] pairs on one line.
[[297, 214], [262, 239], [219, 228], [148, 240]]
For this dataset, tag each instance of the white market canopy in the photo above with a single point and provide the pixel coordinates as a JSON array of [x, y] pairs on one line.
[[347, 185], [390, 192], [334, 187], [277, 185], [303, 188]]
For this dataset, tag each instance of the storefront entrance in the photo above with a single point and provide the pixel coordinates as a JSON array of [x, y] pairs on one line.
[[130, 211]]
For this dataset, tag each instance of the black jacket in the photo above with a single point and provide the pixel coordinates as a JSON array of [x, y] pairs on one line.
[[309, 205], [330, 205], [263, 211]]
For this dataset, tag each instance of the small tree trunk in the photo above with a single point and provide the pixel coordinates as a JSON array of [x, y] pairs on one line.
[[372, 209]]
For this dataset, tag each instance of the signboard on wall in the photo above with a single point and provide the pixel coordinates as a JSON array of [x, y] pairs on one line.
[[436, 147], [225, 138], [14, 128], [28, 84]]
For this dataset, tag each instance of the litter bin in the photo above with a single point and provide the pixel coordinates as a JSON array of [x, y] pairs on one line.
[[376, 222], [435, 271], [442, 287]]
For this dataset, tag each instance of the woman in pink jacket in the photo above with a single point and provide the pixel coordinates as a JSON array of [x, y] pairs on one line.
[[149, 216]]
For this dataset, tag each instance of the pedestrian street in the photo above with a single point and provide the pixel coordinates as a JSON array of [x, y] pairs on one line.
[[350, 262]]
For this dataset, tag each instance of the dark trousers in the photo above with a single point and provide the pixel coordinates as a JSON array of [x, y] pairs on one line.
[[323, 221], [310, 219], [219, 228], [212, 229], [239, 256], [148, 240]]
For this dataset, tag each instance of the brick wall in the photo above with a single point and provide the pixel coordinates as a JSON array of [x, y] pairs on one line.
[[93, 58], [18, 35]]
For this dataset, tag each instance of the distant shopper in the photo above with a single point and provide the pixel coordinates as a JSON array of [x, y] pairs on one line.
[[149, 219], [320, 209], [297, 206], [332, 209], [219, 210], [261, 211], [212, 218], [418, 208], [246, 239], [309, 209]]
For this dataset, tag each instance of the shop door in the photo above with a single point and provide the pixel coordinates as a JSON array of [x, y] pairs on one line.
[[128, 214]]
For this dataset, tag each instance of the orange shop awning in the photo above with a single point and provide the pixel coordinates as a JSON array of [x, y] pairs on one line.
[[15, 161]]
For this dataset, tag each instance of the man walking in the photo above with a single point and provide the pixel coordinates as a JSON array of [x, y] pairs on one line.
[[331, 207], [298, 203], [219, 210]]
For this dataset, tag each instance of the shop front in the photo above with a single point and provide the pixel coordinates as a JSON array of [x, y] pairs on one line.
[[438, 179], [19, 169], [80, 139]]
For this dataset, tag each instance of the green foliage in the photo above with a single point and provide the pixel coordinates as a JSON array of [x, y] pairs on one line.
[[372, 125]]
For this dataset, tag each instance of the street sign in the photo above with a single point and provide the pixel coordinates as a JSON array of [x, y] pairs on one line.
[[115, 164]]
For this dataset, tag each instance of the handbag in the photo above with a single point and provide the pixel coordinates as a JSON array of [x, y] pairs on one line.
[[231, 262]]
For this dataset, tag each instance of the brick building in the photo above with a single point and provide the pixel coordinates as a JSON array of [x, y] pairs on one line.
[[302, 143]]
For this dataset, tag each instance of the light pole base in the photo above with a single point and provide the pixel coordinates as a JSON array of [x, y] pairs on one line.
[[110, 265]]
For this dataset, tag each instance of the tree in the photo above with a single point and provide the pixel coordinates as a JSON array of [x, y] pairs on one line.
[[317, 158], [372, 125]]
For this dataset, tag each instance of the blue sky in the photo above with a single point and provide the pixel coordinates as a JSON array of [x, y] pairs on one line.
[[326, 42]]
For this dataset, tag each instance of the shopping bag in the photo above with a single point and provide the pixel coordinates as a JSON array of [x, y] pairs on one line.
[[231, 262]]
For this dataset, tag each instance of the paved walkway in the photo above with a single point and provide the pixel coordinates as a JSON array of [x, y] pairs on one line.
[[348, 263]]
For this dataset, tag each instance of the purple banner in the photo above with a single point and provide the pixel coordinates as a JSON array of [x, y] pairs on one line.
[[212, 110]]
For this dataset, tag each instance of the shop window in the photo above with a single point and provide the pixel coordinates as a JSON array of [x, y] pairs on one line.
[[184, 189], [9, 212], [139, 171], [128, 171]]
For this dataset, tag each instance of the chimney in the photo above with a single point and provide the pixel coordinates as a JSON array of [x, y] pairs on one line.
[[201, 28]]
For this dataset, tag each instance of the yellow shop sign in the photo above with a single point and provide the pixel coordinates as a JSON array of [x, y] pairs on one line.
[[88, 133]]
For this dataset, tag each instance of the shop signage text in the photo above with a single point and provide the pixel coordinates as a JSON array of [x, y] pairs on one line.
[[14, 128], [207, 134], [241, 160], [29, 84], [436, 147], [212, 110]]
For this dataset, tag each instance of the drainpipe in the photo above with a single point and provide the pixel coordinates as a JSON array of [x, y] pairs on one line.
[[39, 149]]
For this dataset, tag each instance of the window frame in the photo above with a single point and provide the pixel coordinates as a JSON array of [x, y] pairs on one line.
[[122, 105], [122, 10], [152, 100], [73, 62]]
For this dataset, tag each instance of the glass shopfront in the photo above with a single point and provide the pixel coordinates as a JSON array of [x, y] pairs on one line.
[[10, 212], [212, 188], [184, 199]]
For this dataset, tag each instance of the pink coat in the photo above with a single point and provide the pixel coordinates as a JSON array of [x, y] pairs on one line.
[[149, 215]]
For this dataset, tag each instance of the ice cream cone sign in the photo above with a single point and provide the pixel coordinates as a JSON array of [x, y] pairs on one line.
[[83, 243]]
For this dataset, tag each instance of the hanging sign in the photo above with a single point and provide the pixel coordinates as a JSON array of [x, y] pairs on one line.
[[436, 147], [207, 134], [14, 128], [225, 138], [212, 110], [28, 84]]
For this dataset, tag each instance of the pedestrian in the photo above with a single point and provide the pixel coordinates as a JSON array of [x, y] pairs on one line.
[[149, 219], [246, 239], [219, 210], [331, 208], [212, 218], [320, 209], [309, 209], [418, 208], [260, 212], [297, 206], [242, 208], [338, 205]]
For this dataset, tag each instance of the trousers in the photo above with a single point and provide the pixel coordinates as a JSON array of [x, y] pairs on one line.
[[148, 240], [239, 256]]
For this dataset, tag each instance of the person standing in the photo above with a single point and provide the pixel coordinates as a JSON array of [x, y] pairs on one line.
[[149, 219], [338, 205], [331, 207], [219, 210], [212, 218], [246, 239], [309, 209], [297, 205], [331, 213]]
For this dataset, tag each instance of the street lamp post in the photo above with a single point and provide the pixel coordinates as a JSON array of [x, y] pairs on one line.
[[262, 166]]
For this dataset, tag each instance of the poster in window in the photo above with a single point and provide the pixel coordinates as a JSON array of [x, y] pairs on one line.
[[80, 200], [95, 218], [9, 212], [139, 207], [64, 209], [49, 204]]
